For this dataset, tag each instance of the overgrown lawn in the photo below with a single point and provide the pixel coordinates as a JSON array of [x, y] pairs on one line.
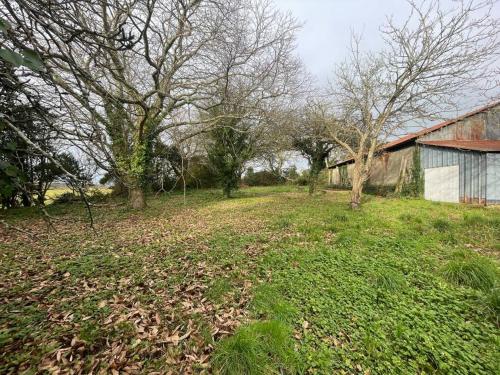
[[270, 281]]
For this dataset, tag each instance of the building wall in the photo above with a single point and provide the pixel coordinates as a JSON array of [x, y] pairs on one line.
[[483, 125], [493, 178], [472, 170], [479, 172], [388, 169], [334, 177]]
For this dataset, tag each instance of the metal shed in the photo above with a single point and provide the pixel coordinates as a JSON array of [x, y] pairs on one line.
[[461, 171], [455, 161]]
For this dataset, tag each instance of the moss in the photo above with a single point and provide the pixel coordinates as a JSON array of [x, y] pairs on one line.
[[414, 187]]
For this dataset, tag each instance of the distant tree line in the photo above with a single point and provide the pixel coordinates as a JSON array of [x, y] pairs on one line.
[[181, 94]]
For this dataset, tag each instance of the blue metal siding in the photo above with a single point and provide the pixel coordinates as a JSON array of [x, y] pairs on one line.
[[474, 180]]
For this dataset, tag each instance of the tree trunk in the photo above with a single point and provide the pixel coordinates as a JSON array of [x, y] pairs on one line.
[[357, 186], [136, 198], [312, 184]]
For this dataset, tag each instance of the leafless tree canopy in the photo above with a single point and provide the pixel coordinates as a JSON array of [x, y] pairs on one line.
[[429, 60], [126, 71], [124, 74]]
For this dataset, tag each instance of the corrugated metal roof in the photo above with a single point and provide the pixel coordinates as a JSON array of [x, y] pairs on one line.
[[480, 145], [413, 136]]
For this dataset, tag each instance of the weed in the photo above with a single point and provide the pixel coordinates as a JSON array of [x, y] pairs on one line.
[[493, 302], [388, 280], [474, 219], [441, 225], [341, 217], [471, 271], [92, 333], [151, 271], [268, 302], [410, 218], [256, 349], [283, 223]]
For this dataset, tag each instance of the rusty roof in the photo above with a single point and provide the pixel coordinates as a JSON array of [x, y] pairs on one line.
[[479, 145], [413, 136]]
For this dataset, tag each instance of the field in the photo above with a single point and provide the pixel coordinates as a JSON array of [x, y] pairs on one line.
[[271, 281], [53, 193]]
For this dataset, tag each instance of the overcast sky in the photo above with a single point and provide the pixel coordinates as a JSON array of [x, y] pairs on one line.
[[327, 24]]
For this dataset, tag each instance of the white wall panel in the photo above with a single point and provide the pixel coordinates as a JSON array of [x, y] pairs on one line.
[[442, 184]]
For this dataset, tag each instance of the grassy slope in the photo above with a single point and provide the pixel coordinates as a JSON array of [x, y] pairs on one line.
[[362, 291]]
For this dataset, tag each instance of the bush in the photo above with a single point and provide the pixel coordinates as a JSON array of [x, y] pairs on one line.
[[93, 196], [262, 178], [303, 179], [260, 348], [67, 197], [98, 196], [470, 270]]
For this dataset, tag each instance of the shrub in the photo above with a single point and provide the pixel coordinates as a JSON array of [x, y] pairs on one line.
[[262, 178], [67, 197], [302, 179], [470, 270], [260, 348], [98, 196]]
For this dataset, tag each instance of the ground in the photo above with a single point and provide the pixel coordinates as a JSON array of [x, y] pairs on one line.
[[188, 284]]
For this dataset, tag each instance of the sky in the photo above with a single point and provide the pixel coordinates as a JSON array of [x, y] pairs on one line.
[[327, 24], [326, 29]]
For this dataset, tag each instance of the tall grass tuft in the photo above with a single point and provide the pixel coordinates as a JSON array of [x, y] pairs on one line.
[[256, 349], [474, 219], [493, 302], [471, 270], [441, 225], [388, 280]]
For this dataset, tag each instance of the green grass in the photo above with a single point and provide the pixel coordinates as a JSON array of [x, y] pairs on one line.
[[271, 281], [259, 348], [471, 271]]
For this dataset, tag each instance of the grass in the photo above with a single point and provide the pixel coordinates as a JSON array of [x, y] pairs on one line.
[[271, 281], [259, 348], [53, 193], [471, 271]]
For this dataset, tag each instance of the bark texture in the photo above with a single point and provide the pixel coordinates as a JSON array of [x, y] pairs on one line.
[[137, 198]]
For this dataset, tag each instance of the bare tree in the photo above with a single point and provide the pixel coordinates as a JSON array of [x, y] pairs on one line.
[[429, 60], [309, 136], [126, 70]]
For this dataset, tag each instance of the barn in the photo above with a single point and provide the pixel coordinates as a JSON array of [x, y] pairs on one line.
[[453, 161]]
